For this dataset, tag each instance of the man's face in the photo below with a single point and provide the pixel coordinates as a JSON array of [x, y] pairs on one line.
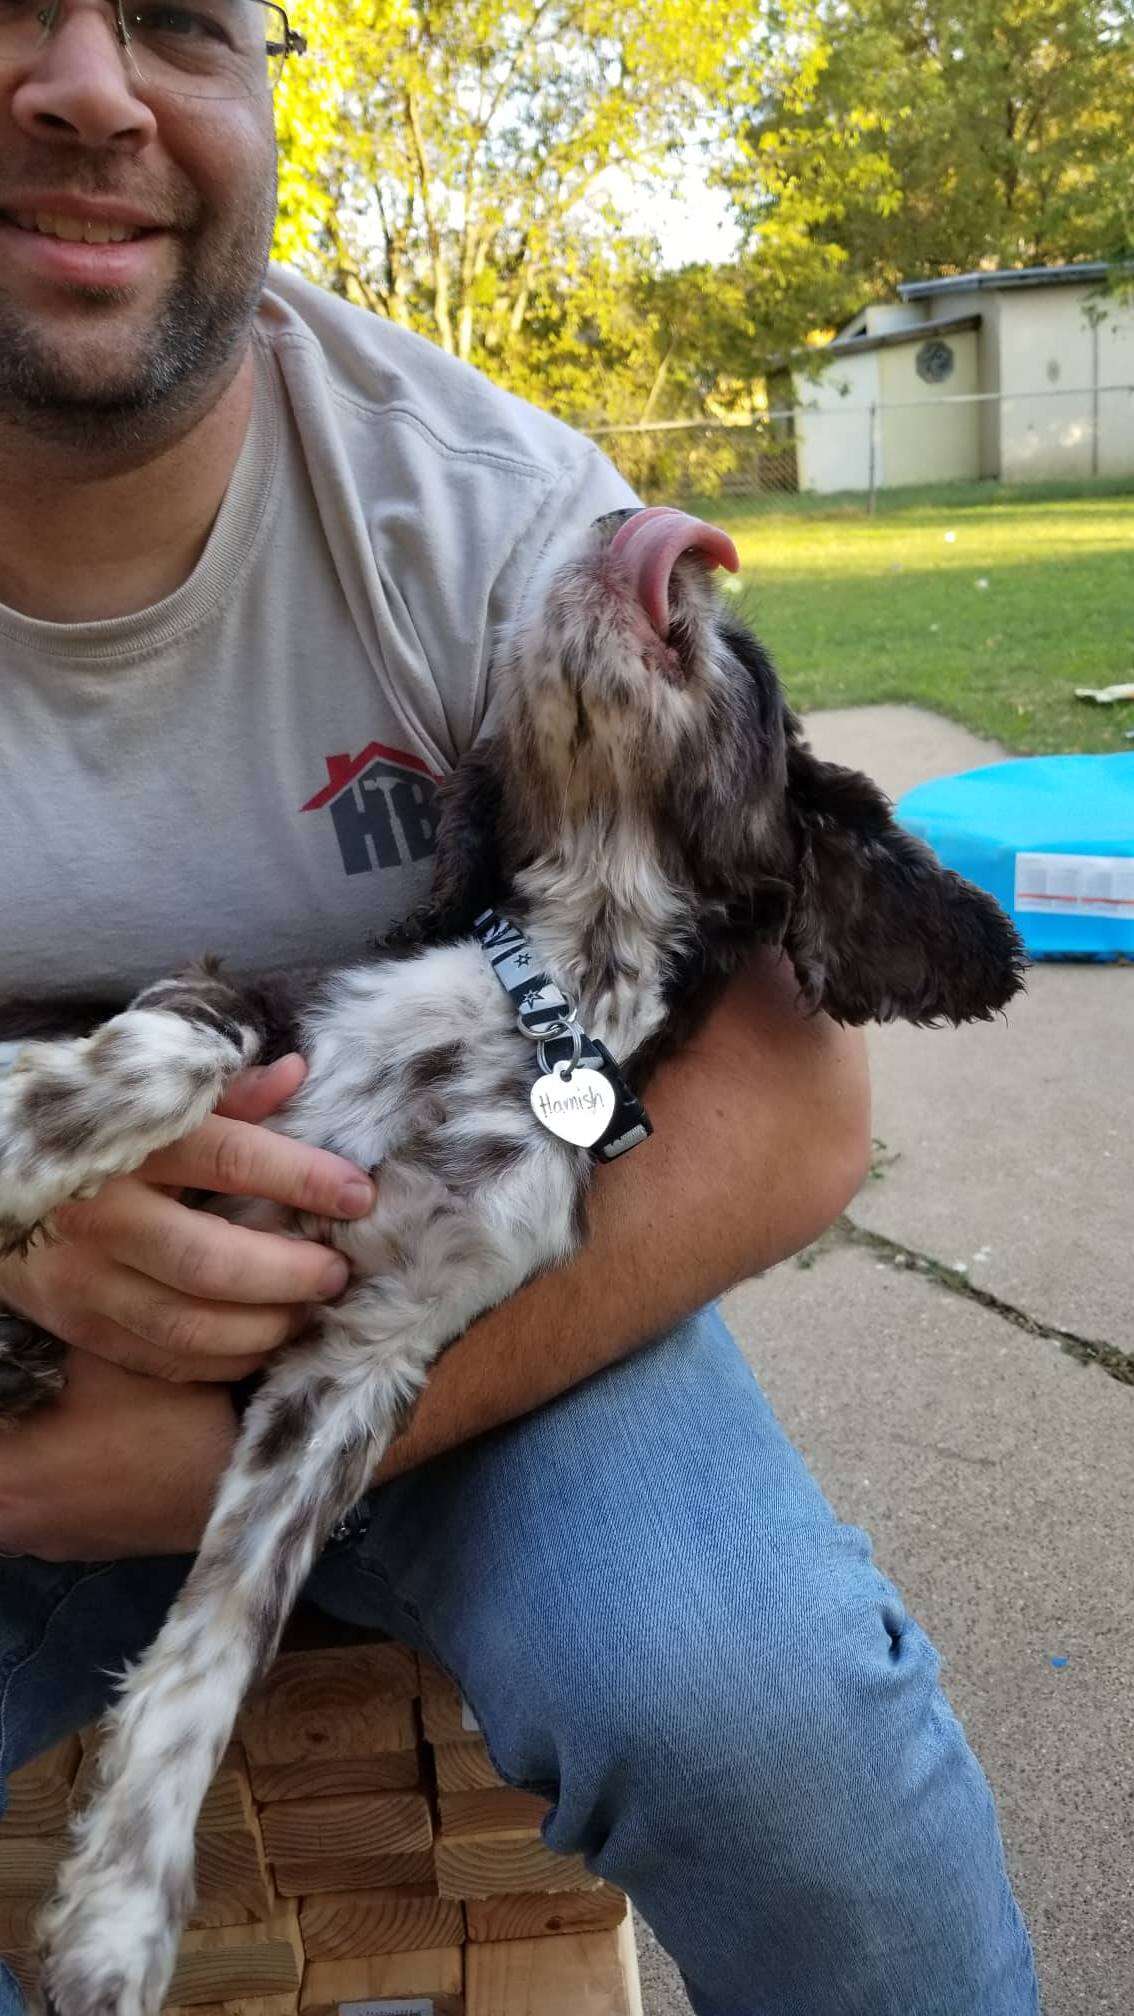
[[106, 341]]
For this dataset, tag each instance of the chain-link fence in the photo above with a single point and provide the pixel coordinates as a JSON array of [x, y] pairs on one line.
[[829, 446], [677, 458]]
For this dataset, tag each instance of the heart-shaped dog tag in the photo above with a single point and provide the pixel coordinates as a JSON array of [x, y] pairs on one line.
[[578, 1107]]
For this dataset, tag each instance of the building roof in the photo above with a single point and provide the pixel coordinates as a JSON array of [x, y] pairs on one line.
[[888, 339], [1008, 276]]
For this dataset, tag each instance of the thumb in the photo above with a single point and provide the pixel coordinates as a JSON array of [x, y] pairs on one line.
[[263, 1089]]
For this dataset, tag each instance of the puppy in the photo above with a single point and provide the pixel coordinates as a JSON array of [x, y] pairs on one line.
[[642, 814]]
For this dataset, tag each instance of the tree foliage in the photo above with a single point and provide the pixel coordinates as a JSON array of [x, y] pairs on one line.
[[905, 138], [462, 166], [445, 161]]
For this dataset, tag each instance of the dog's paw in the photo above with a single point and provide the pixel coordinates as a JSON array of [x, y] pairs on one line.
[[55, 1115], [31, 1366], [74, 1114]]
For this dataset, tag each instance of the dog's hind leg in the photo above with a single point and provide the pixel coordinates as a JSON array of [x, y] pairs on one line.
[[75, 1113], [323, 1418], [111, 1933]]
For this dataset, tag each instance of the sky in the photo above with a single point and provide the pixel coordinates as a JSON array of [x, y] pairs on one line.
[[694, 226]]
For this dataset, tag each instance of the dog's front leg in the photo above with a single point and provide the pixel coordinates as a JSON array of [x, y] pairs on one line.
[[73, 1114]]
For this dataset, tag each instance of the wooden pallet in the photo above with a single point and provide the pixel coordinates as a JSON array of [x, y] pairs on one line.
[[357, 1845]]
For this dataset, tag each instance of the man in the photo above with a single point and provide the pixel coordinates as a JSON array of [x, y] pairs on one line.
[[253, 545]]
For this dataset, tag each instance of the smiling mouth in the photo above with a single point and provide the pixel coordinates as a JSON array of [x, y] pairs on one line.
[[76, 230]]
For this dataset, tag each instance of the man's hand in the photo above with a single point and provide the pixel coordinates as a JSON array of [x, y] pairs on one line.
[[117, 1465], [139, 1278]]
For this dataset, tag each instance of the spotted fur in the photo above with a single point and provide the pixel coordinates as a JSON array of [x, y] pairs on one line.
[[647, 810]]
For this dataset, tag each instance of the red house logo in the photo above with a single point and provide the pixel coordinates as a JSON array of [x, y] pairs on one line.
[[383, 804]]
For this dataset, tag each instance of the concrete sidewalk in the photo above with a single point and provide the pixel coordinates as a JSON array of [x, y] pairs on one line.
[[951, 1363]]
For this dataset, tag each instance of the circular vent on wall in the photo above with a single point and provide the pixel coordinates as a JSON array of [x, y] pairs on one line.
[[934, 361]]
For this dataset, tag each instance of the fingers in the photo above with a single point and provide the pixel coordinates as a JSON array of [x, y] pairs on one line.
[[199, 1255], [137, 1278], [98, 1305], [243, 1160], [263, 1089], [148, 1328], [173, 1357]]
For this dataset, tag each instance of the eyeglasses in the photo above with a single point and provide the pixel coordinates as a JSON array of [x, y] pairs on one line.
[[207, 49]]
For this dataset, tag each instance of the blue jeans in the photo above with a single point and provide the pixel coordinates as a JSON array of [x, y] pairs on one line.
[[659, 1622]]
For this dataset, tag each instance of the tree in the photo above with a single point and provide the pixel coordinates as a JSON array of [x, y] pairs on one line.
[[444, 160], [895, 139]]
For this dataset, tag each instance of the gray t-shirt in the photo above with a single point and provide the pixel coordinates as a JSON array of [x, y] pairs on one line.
[[249, 766]]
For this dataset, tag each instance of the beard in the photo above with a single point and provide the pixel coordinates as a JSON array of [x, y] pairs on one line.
[[170, 369]]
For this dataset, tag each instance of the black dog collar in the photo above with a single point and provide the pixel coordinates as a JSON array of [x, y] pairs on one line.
[[544, 1014]]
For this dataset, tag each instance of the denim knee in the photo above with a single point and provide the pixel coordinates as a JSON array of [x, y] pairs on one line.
[[773, 1723], [778, 1782]]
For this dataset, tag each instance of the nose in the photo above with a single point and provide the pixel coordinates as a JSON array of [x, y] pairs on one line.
[[78, 88], [611, 520]]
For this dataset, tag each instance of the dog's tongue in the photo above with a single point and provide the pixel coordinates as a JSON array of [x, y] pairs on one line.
[[650, 544]]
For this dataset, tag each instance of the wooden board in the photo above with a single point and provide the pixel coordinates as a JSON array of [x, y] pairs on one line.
[[91, 1739], [84, 1783], [488, 1865], [39, 1794], [465, 1767], [393, 1770], [384, 1823], [241, 2005], [490, 1844], [436, 1974], [590, 1974], [535, 1915], [28, 1863], [228, 1807], [17, 1924], [229, 1961], [233, 1884], [326, 1704], [352, 1924], [493, 1811], [301, 1875], [445, 1715]]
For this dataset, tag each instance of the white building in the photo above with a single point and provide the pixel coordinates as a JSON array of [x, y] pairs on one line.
[[1025, 375]]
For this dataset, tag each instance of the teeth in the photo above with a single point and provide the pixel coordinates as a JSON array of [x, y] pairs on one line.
[[75, 230], [69, 228]]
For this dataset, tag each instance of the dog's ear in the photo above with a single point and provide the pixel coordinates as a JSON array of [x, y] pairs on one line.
[[466, 866], [466, 860], [879, 930]]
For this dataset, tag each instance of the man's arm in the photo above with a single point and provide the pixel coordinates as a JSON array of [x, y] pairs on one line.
[[762, 1136]]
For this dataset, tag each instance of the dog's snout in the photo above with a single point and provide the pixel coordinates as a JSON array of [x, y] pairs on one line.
[[610, 521], [647, 546]]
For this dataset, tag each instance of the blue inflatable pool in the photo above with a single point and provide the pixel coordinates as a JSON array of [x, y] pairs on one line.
[[1051, 837]]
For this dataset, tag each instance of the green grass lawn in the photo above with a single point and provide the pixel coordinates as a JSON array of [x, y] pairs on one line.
[[1032, 596]]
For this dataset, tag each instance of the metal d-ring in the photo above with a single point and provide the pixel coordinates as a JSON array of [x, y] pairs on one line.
[[565, 1065]]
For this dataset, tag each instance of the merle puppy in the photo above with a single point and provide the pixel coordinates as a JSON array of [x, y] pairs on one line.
[[645, 812]]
